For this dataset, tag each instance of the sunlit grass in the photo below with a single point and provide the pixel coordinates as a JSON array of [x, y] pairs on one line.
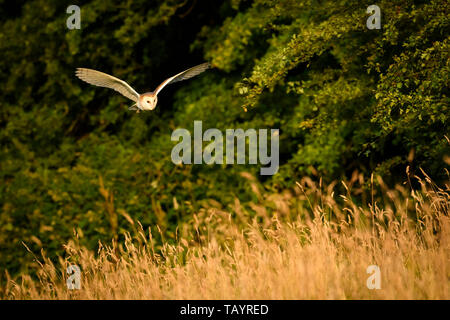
[[312, 244]]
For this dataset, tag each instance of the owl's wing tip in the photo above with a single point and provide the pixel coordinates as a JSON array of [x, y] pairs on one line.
[[80, 70]]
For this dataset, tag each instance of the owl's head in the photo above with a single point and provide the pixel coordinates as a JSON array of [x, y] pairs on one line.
[[148, 101]]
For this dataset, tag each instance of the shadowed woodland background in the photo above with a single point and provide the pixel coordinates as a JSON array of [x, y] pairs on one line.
[[345, 99]]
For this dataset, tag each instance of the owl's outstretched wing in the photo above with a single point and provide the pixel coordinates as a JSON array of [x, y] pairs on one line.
[[186, 74], [101, 79]]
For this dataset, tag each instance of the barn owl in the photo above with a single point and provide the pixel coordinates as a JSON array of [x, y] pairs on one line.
[[145, 101]]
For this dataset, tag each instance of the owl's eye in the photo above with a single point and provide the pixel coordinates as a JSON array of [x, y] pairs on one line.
[[148, 101]]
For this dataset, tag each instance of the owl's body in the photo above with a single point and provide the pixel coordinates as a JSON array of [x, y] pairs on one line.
[[146, 101]]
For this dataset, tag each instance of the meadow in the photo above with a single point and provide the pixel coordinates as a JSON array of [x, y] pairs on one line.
[[316, 245]]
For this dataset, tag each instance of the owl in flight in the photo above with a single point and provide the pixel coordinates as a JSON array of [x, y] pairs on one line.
[[145, 101]]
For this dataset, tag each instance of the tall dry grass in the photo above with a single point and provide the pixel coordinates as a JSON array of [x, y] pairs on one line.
[[305, 244]]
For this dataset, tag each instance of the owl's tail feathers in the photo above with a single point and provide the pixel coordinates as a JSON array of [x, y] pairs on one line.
[[133, 107]]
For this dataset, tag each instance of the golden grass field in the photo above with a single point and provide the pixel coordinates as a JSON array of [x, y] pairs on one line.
[[309, 243]]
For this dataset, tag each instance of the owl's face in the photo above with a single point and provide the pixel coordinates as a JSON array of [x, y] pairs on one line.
[[148, 101]]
